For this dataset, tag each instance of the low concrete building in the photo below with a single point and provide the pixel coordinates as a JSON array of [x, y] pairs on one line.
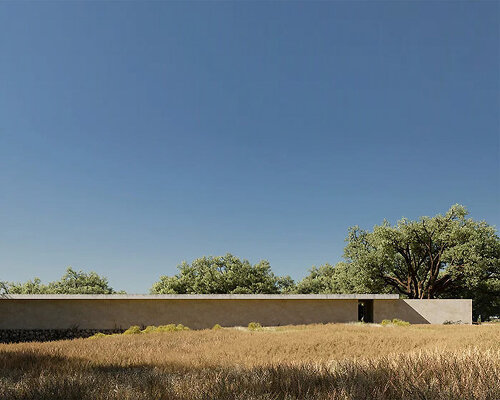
[[116, 312]]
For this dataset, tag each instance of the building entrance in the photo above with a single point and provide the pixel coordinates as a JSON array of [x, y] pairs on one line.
[[365, 310]]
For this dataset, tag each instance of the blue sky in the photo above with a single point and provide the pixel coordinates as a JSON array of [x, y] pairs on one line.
[[134, 136]]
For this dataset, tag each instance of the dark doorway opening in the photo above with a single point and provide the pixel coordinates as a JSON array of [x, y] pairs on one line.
[[365, 310]]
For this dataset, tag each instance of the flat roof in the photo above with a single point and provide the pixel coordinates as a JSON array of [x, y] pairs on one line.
[[199, 296]]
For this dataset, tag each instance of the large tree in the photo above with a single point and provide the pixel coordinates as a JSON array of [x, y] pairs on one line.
[[341, 278], [429, 257], [446, 256], [226, 274], [72, 282]]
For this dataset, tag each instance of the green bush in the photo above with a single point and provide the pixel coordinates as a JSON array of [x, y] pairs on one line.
[[394, 322], [149, 329], [216, 327], [171, 328], [166, 328], [452, 322], [133, 330], [97, 335], [181, 327], [254, 326], [400, 322]]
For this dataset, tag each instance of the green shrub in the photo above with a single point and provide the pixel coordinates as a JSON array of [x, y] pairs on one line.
[[394, 322], [149, 329], [254, 326], [216, 327], [400, 322], [133, 330], [171, 328], [181, 327], [97, 335], [166, 328], [459, 322]]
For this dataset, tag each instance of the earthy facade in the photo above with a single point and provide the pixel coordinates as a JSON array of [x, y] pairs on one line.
[[76, 313]]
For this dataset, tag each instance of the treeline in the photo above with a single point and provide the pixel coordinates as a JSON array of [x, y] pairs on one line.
[[446, 256], [72, 282]]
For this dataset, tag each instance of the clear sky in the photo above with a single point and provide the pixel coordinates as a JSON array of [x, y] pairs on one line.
[[134, 136]]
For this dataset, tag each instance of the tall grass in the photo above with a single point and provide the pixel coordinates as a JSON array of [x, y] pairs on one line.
[[317, 362]]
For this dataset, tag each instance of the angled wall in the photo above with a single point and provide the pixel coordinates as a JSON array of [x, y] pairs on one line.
[[435, 311]]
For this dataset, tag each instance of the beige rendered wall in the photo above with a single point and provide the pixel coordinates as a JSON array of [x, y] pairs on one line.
[[435, 311], [197, 314]]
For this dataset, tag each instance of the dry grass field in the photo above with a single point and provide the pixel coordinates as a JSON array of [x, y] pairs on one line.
[[306, 362]]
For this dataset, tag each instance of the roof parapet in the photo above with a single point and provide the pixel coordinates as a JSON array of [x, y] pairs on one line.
[[199, 296]]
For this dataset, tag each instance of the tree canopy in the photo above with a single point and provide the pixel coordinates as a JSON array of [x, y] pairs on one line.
[[72, 282], [224, 274], [3, 287], [426, 258], [434, 257], [342, 278]]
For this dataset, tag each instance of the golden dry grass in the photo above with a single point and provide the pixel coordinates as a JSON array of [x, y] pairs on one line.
[[308, 362]]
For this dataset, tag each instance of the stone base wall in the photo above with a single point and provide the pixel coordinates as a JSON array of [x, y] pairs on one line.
[[46, 335]]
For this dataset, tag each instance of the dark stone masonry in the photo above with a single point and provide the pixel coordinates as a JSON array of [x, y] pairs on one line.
[[46, 335]]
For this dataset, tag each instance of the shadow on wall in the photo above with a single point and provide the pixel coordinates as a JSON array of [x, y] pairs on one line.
[[414, 316], [389, 309]]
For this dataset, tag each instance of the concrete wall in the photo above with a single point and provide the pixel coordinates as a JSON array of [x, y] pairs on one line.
[[436, 311], [197, 314]]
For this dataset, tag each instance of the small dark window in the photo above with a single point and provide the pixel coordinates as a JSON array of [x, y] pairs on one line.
[[365, 310]]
